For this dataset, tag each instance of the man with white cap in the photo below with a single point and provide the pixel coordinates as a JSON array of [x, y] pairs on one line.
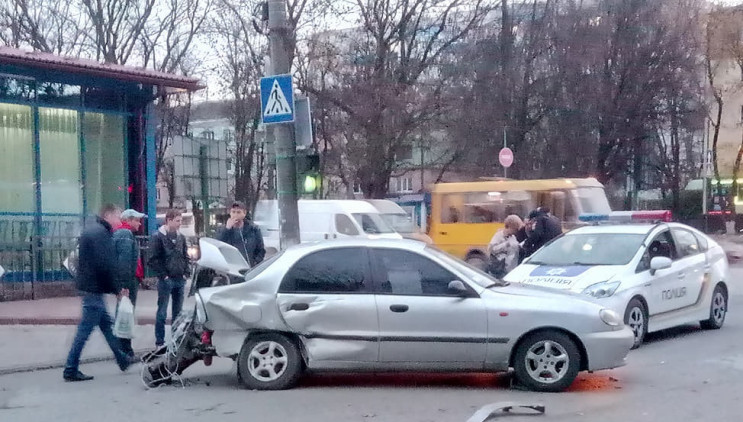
[[129, 268]]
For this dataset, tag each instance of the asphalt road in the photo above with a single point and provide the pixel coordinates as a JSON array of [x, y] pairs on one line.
[[684, 374]]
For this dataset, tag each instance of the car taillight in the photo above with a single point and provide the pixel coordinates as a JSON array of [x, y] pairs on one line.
[[206, 338]]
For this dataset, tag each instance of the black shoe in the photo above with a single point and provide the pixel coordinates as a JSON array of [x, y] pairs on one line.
[[77, 376], [128, 361]]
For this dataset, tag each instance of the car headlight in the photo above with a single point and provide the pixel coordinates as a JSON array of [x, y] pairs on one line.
[[610, 318], [200, 310], [603, 289]]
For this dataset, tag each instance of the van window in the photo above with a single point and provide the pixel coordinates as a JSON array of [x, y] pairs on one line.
[[344, 225], [372, 223], [592, 200], [485, 207]]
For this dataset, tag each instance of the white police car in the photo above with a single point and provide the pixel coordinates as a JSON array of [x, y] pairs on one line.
[[658, 275]]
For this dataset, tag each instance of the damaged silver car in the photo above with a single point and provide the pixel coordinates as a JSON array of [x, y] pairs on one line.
[[391, 305]]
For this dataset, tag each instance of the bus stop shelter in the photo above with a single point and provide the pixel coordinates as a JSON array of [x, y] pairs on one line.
[[74, 134]]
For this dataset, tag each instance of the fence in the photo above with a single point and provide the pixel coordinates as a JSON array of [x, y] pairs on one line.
[[34, 270]]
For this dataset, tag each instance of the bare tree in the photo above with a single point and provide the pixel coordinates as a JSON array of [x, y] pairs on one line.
[[393, 78]]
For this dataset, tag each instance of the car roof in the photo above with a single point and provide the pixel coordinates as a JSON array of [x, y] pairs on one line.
[[615, 229], [630, 228], [358, 242]]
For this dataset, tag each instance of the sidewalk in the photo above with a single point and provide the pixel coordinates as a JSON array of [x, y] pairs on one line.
[[37, 334], [66, 310], [34, 347]]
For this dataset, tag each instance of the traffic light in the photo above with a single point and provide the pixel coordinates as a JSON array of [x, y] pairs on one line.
[[308, 173], [311, 183], [307, 164]]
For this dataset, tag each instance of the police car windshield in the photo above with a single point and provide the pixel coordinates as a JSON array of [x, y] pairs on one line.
[[589, 249]]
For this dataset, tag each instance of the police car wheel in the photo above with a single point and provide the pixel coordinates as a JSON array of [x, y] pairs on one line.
[[636, 317], [718, 309], [546, 361]]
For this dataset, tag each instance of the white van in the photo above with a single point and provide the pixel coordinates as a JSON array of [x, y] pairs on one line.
[[324, 220], [399, 220]]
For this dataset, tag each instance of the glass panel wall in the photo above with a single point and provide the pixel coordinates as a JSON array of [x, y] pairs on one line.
[[16, 159], [59, 147], [105, 177]]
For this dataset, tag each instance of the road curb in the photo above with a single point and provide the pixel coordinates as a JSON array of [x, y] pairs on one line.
[[62, 321], [60, 364]]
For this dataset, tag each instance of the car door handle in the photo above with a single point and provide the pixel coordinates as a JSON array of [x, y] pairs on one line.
[[682, 276], [443, 233], [399, 308], [299, 306]]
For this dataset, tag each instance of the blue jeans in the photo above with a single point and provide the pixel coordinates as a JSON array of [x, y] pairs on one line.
[[165, 289], [94, 315]]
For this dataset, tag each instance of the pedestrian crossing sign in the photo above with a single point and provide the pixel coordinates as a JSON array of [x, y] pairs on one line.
[[277, 99]]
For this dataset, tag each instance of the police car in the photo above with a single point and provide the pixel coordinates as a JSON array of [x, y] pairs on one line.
[[656, 273]]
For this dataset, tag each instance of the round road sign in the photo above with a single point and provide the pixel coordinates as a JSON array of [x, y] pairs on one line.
[[505, 157]]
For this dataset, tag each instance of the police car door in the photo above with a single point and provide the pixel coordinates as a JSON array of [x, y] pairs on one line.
[[665, 281], [692, 261]]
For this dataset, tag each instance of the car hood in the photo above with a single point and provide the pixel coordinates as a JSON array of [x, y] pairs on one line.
[[571, 277]]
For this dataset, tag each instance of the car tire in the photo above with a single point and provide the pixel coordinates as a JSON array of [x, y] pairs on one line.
[[636, 317], [534, 359], [477, 261], [718, 309], [269, 362]]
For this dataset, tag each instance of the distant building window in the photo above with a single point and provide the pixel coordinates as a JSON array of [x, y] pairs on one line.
[[227, 135], [158, 193], [404, 184], [229, 164], [405, 152], [357, 188]]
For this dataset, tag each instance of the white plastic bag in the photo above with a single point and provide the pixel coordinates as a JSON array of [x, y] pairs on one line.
[[124, 324]]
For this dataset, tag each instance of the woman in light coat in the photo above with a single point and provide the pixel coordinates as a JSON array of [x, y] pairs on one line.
[[503, 249]]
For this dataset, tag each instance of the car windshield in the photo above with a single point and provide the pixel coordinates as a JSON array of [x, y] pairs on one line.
[[372, 223], [401, 223], [593, 200], [589, 249], [482, 278], [258, 269]]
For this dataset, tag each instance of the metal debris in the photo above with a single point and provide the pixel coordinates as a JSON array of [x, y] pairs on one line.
[[506, 408]]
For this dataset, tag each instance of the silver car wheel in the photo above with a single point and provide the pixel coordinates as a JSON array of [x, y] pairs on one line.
[[547, 362], [267, 361], [718, 307], [637, 322]]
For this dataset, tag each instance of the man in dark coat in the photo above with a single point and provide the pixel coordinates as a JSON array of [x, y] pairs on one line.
[[96, 277], [129, 268], [544, 227], [169, 260], [243, 234]]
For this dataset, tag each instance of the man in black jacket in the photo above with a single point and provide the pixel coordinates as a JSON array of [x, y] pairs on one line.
[[95, 277], [544, 227], [243, 234], [169, 260]]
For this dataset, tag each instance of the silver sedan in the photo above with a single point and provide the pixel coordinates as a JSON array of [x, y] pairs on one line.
[[381, 305]]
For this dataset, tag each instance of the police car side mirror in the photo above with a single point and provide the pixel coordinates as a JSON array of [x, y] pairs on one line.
[[659, 263]]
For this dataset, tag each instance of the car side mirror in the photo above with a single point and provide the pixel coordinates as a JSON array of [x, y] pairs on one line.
[[2, 272], [458, 288], [659, 263]]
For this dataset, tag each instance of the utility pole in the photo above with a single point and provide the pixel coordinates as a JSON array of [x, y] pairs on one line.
[[283, 134]]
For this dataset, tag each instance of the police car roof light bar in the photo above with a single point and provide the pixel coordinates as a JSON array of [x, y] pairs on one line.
[[619, 217]]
